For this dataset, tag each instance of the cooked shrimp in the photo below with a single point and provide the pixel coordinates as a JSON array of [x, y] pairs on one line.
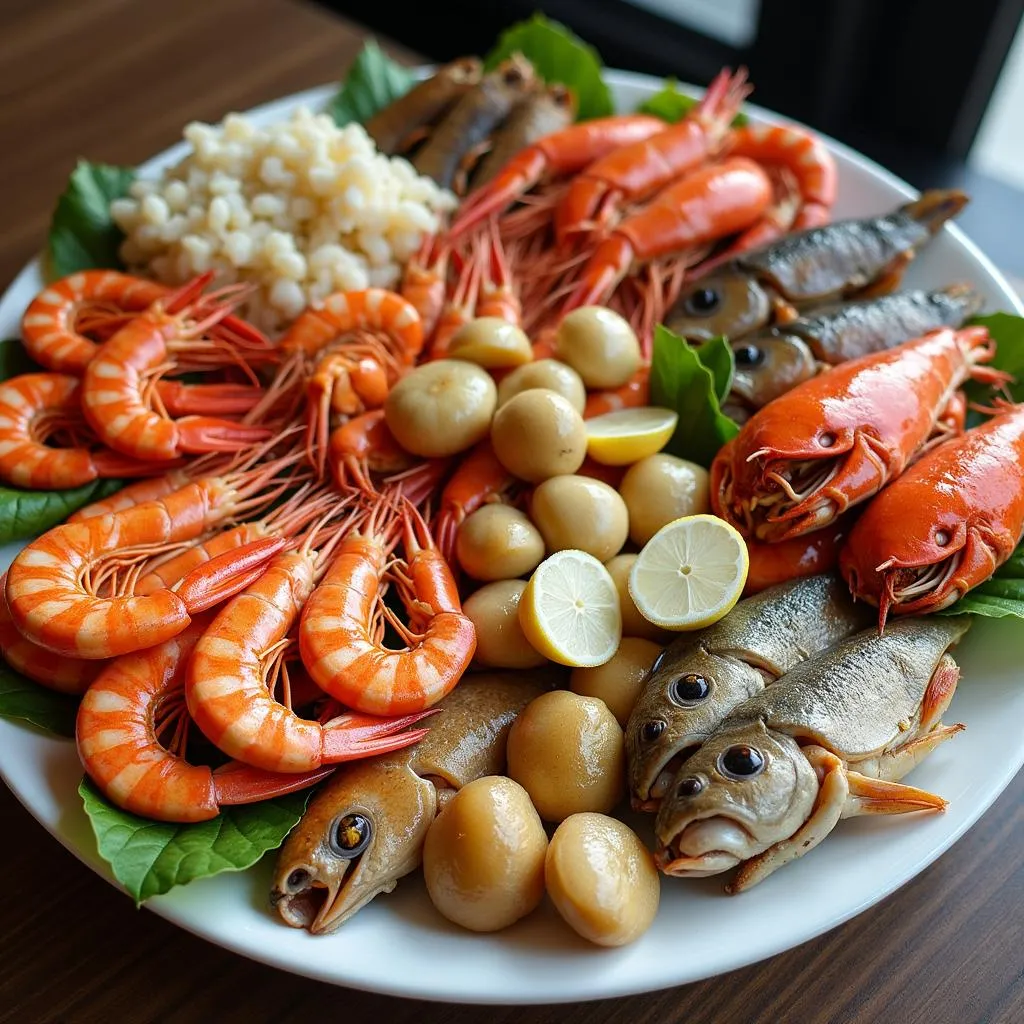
[[363, 446], [238, 661], [134, 703], [126, 410], [342, 626], [66, 675], [635, 392], [424, 282], [39, 407], [54, 583], [54, 324]]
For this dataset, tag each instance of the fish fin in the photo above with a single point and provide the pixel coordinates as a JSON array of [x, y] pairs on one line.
[[940, 692], [877, 796], [897, 763], [833, 797], [933, 208]]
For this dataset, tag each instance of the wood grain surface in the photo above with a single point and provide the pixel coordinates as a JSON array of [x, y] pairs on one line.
[[115, 80]]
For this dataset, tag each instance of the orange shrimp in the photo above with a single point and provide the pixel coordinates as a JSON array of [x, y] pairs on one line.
[[560, 154], [53, 324], [709, 204], [635, 392], [497, 296], [237, 662], [342, 625], [479, 478], [459, 309], [119, 402], [54, 582], [636, 171], [804, 155], [424, 282], [122, 721], [363, 446], [55, 672], [37, 408]]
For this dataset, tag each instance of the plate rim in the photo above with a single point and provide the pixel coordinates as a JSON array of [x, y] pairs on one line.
[[166, 909]]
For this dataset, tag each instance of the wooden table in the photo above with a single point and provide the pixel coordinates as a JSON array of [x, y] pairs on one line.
[[115, 80]]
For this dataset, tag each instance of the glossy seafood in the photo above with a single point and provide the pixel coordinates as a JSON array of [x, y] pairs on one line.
[[837, 439], [536, 115], [827, 741], [365, 830], [945, 525], [475, 115], [401, 123], [835, 261], [699, 678], [774, 360]]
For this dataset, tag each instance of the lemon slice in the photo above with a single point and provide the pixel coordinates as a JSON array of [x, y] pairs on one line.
[[626, 436], [569, 610], [690, 573]]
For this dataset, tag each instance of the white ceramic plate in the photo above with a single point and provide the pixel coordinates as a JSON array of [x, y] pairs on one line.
[[400, 945]]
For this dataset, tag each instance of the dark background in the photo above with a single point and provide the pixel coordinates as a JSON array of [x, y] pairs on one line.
[[904, 81]]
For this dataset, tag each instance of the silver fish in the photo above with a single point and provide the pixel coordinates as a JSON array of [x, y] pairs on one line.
[[365, 829], [828, 741], [699, 678]]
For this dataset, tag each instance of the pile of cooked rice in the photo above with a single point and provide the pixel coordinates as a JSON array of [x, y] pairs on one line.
[[301, 209]]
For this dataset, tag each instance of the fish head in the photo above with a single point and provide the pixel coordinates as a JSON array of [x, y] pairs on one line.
[[361, 833], [687, 693], [746, 789], [768, 364], [729, 301]]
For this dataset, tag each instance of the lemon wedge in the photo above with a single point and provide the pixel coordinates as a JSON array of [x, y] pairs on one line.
[[690, 573], [626, 436], [569, 610]]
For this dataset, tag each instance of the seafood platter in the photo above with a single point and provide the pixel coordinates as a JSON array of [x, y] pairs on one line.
[[467, 527]]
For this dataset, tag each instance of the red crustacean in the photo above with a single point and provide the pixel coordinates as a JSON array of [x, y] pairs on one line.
[[945, 526], [837, 439]]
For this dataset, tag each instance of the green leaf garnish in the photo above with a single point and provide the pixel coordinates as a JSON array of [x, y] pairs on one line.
[[557, 55], [693, 381], [14, 360], [1008, 331], [29, 513], [672, 105], [150, 858], [374, 81], [26, 701], [83, 235]]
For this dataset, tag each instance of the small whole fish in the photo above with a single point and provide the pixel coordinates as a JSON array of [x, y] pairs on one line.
[[366, 828], [828, 741], [823, 264], [774, 360], [701, 677], [469, 123]]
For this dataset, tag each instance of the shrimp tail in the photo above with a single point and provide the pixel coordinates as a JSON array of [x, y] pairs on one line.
[[354, 735], [237, 783], [228, 574]]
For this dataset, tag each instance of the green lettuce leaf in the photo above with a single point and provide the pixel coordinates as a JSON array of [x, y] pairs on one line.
[[151, 857], [558, 56], [29, 513], [693, 381], [82, 234], [373, 82], [998, 597], [14, 360], [672, 105], [26, 701]]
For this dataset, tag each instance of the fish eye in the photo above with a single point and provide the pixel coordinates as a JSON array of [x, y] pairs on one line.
[[690, 786], [942, 538], [702, 301], [689, 689], [651, 730], [740, 762], [350, 835], [748, 355]]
